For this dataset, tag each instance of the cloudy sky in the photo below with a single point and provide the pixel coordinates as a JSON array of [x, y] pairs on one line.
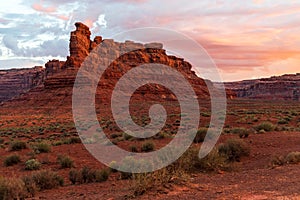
[[246, 39]]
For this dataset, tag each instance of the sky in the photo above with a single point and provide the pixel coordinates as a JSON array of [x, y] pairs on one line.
[[246, 39]]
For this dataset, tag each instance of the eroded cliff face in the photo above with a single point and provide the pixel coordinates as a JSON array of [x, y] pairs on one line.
[[286, 87], [14, 82]]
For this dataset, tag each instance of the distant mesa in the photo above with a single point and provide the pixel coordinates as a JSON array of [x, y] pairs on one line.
[[285, 87]]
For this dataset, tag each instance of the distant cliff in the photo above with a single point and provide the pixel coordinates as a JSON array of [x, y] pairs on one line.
[[285, 87], [13, 82]]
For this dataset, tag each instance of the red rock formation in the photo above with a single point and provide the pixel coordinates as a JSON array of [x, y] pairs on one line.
[[54, 67], [80, 45], [57, 88], [17, 81], [286, 87]]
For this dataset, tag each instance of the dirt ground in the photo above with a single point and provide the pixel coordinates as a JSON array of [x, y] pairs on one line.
[[252, 179]]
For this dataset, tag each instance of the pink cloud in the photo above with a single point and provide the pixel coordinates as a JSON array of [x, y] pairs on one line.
[[41, 8]]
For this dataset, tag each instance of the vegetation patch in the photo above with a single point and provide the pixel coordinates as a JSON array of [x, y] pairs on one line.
[[41, 147], [32, 164], [200, 135], [17, 145], [265, 126], [147, 146], [12, 160], [65, 162], [234, 149], [87, 175]]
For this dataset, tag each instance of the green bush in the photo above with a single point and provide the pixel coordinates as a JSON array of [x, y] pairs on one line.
[[200, 135], [42, 148], [234, 149], [1, 140], [147, 147], [12, 160], [17, 145], [65, 162], [32, 164], [266, 126]]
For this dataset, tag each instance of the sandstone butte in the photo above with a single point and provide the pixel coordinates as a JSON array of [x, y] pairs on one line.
[[50, 88]]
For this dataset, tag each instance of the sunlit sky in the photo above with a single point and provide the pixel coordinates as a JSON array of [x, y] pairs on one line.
[[246, 39]]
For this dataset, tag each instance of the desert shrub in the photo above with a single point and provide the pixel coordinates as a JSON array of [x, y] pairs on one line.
[[188, 163], [58, 143], [147, 146], [242, 132], [282, 121], [204, 114], [127, 136], [30, 185], [200, 135], [65, 161], [72, 140], [12, 160], [293, 157], [290, 158], [266, 126], [87, 175], [115, 135], [46, 179], [261, 131], [277, 161], [113, 166], [1, 140], [101, 175], [17, 145], [234, 149], [32, 164], [133, 148], [12, 188], [42, 148], [214, 161], [161, 135], [75, 176]]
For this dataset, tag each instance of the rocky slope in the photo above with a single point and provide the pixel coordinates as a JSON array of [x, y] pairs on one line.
[[285, 87]]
